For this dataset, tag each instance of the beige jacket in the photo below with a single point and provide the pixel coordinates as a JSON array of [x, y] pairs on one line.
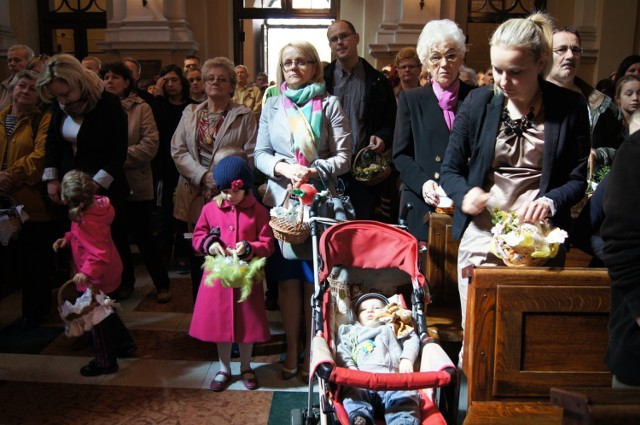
[[143, 146], [237, 136]]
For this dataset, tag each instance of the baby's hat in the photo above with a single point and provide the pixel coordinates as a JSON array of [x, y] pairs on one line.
[[234, 173], [367, 296]]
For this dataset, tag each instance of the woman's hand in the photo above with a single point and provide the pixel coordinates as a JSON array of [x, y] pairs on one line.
[[208, 186], [298, 174], [53, 190], [60, 243], [429, 193], [6, 182], [217, 249], [534, 211], [475, 201], [405, 366]]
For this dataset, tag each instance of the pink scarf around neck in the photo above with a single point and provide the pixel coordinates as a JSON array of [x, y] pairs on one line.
[[448, 100]]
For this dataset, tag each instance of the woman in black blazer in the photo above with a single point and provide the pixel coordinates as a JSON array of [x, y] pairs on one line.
[[88, 132], [521, 145], [424, 120]]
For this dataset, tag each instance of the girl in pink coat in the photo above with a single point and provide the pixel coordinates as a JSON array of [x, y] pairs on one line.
[[234, 222], [96, 262]]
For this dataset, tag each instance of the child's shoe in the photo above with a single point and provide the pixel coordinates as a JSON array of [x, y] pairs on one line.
[[222, 383], [92, 369]]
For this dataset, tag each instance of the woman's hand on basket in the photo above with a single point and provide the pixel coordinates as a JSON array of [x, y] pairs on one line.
[[81, 279], [534, 211], [475, 201], [406, 366], [429, 193], [216, 248], [60, 243]]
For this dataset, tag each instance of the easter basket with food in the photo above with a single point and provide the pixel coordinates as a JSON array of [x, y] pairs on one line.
[[523, 244], [371, 168]]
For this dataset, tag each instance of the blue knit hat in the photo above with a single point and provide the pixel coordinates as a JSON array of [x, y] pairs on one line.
[[233, 172]]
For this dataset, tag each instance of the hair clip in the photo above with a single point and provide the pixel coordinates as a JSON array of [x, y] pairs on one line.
[[237, 184]]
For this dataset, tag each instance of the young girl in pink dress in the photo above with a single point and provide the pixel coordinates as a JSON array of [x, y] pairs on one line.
[[96, 262], [233, 222]]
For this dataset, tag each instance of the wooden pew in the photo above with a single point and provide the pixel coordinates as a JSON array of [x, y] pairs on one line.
[[530, 329], [589, 406]]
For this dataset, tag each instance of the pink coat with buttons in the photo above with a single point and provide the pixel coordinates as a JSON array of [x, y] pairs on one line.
[[93, 250], [217, 315]]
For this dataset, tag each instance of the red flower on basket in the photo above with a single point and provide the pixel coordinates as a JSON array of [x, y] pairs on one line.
[[237, 185]]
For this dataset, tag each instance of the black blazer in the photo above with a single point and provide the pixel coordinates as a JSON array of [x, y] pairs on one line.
[[420, 142], [102, 144], [621, 233], [467, 162]]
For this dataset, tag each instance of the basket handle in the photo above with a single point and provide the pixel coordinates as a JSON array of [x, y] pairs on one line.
[[366, 148], [70, 282]]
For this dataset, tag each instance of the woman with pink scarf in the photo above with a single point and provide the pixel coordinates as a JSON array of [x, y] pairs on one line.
[[425, 118]]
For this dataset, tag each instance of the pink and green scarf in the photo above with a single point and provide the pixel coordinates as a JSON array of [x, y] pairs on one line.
[[304, 110]]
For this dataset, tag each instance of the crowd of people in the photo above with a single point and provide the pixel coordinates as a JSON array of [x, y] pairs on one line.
[[183, 155]]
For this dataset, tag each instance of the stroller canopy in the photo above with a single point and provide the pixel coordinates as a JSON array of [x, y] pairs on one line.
[[369, 245]]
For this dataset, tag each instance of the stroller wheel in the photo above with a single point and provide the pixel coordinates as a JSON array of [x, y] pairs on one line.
[[296, 417]]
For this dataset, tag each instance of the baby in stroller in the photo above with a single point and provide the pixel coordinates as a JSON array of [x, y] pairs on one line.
[[369, 345]]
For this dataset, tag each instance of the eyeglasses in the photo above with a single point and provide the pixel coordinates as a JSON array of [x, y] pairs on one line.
[[562, 50], [300, 63], [408, 67], [212, 79], [340, 37], [436, 58]]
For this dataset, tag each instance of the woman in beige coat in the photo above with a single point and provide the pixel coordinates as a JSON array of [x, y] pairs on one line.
[[143, 146], [207, 132]]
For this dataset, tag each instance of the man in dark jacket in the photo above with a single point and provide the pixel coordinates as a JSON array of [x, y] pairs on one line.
[[604, 116], [367, 97]]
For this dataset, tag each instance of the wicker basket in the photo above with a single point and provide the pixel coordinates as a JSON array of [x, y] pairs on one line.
[[293, 232], [77, 323], [68, 292], [370, 170], [521, 257]]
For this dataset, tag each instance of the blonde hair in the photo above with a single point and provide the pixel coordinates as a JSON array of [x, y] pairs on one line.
[[64, 67], [77, 193], [534, 33], [307, 49]]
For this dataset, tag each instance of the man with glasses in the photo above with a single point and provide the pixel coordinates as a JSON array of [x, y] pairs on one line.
[[604, 115], [17, 57], [367, 97], [409, 67]]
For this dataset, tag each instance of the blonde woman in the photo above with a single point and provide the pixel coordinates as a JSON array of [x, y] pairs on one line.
[[519, 145]]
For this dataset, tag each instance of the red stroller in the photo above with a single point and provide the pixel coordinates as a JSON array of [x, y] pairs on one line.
[[355, 257]]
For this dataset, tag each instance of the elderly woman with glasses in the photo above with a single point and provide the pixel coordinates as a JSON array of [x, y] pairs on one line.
[[424, 121], [520, 145], [208, 132], [303, 132]]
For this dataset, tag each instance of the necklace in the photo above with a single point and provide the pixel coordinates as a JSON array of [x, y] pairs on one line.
[[519, 125], [214, 124]]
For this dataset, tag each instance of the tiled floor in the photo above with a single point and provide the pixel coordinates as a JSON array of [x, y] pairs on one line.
[[167, 382]]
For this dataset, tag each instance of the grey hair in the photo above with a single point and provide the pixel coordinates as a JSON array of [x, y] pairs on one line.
[[437, 32], [224, 63]]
